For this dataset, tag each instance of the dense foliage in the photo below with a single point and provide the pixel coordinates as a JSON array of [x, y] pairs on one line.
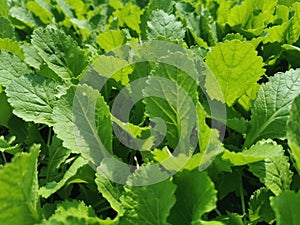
[[249, 176]]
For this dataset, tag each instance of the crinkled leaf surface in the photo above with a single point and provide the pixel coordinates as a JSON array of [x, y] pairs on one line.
[[258, 152], [93, 119], [259, 206], [82, 121], [111, 192], [274, 172], [270, 110], [164, 25], [61, 53], [11, 67], [19, 184], [235, 67], [174, 103], [33, 98]]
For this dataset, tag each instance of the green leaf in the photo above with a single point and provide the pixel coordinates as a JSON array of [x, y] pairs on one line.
[[52, 187], [111, 39], [6, 28], [274, 172], [57, 155], [19, 184], [4, 8], [235, 67], [59, 51], [293, 31], [83, 122], [107, 66], [130, 15], [293, 131], [208, 139], [22, 18], [258, 152], [286, 208], [259, 207], [271, 108], [195, 195], [75, 213], [175, 94], [149, 204], [202, 31], [12, 47], [64, 125], [31, 58], [164, 25], [252, 15], [11, 67], [33, 98], [41, 9], [111, 192], [232, 219], [5, 110], [6, 146]]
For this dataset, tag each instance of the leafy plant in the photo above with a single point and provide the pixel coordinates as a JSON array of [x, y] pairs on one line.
[[214, 112]]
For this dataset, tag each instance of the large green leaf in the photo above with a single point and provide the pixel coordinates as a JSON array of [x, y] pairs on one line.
[[195, 196], [82, 121], [270, 110], [286, 207], [274, 172], [33, 98], [11, 67], [59, 51], [293, 131], [164, 25], [235, 67], [174, 95], [93, 119], [258, 152], [19, 200], [147, 204]]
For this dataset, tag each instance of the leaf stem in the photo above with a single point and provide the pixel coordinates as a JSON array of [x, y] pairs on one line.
[[49, 137], [4, 158], [242, 198]]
